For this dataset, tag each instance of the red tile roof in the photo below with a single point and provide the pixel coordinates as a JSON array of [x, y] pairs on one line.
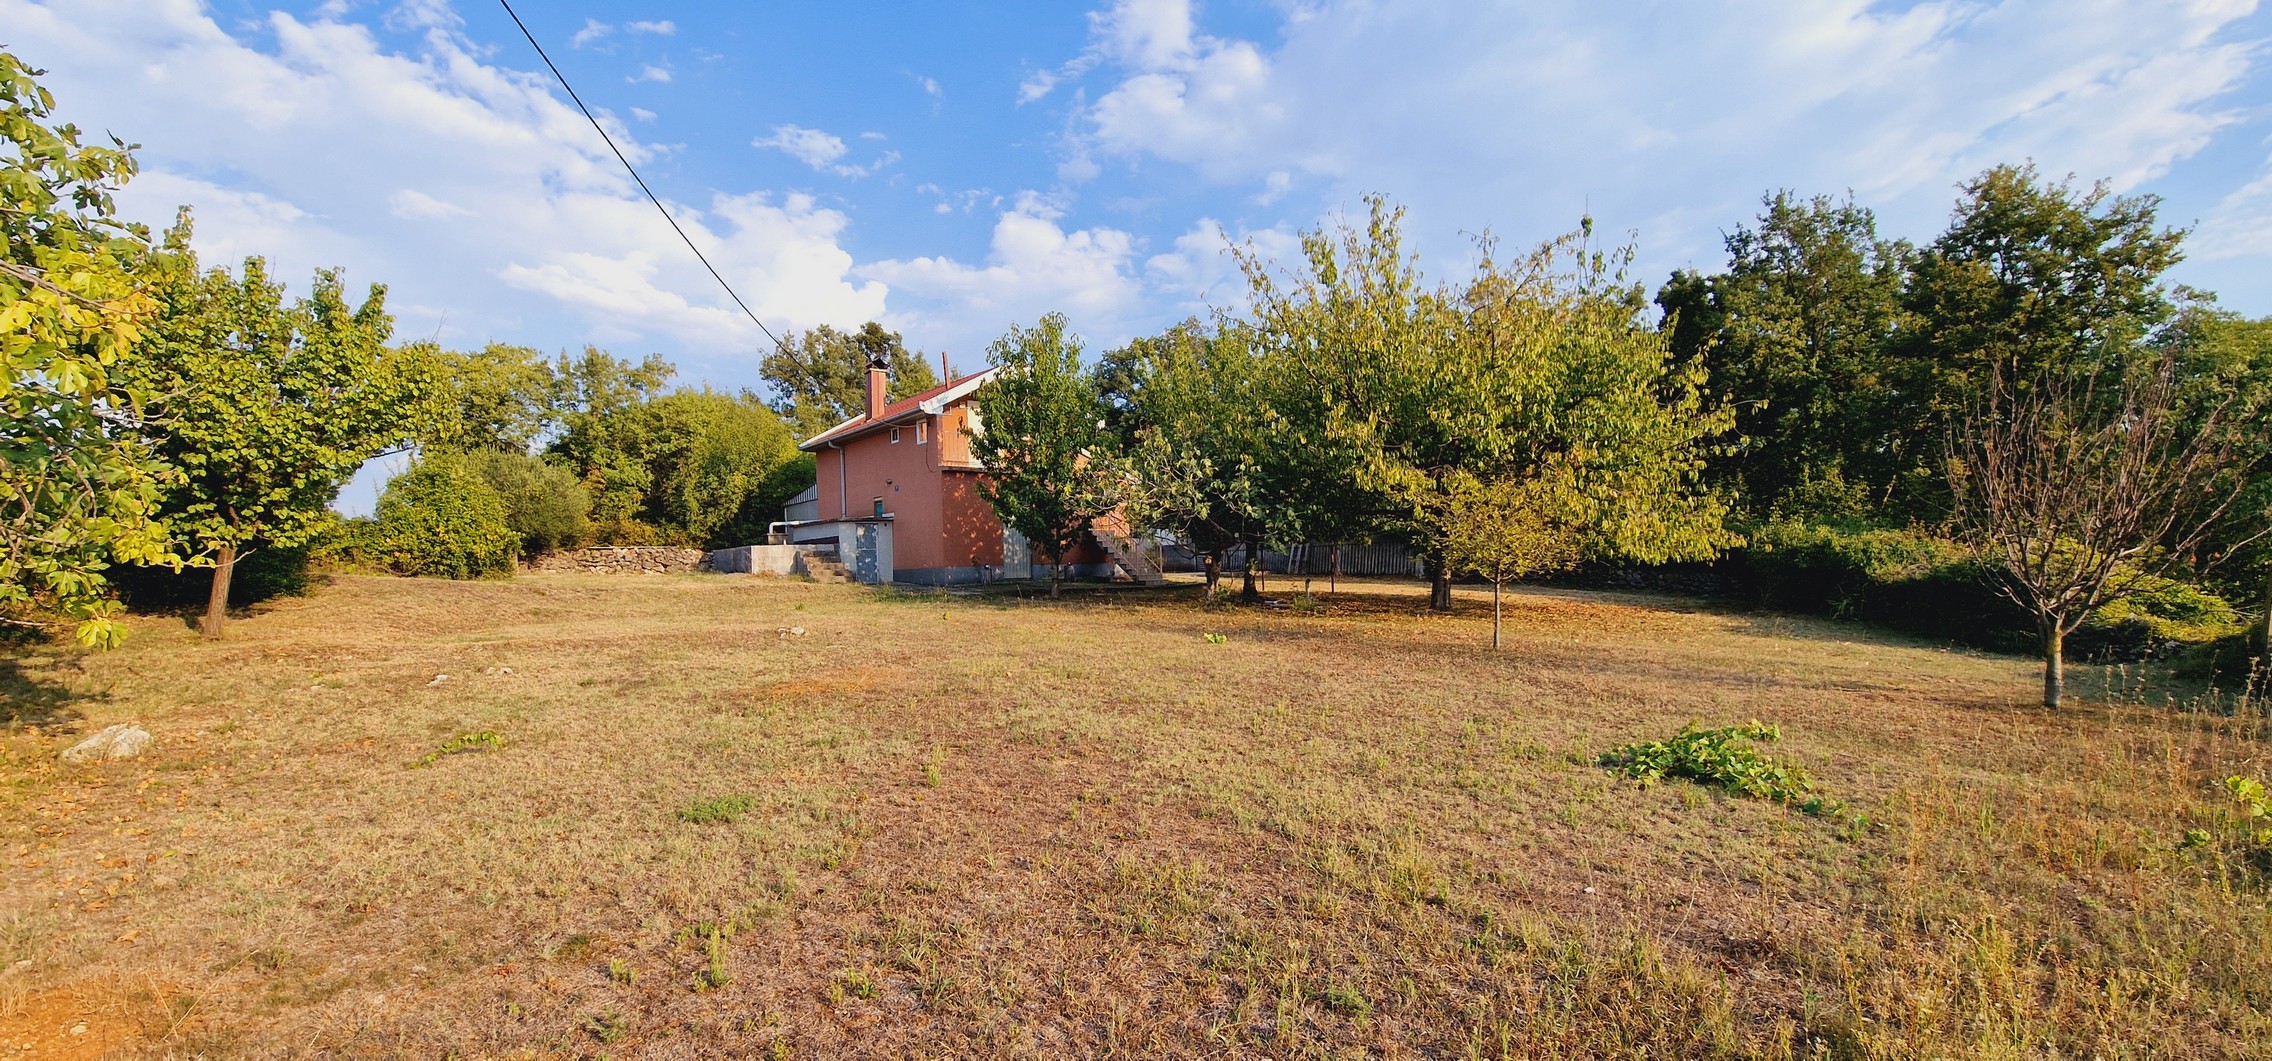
[[899, 410]]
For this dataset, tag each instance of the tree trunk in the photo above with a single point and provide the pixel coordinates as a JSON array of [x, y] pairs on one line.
[[2264, 632], [1439, 583], [1494, 615], [2054, 665], [1056, 575], [1212, 562], [1333, 580], [1252, 592], [2264, 629], [217, 604]]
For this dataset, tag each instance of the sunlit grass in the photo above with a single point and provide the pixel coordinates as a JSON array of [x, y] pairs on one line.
[[959, 826]]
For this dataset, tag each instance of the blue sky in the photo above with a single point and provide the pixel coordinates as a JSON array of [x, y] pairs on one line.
[[952, 168]]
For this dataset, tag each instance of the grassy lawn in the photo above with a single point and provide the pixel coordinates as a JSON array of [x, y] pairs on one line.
[[953, 827]]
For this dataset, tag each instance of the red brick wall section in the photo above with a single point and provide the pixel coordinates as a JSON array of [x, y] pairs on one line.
[[973, 533], [906, 476]]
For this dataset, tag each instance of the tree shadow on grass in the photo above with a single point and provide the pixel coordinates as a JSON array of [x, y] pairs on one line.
[[28, 702]]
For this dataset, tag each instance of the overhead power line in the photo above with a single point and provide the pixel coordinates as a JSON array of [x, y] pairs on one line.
[[629, 168]]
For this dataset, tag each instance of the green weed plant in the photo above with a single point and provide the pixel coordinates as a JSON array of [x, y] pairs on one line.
[[2242, 833], [1723, 757], [477, 741]]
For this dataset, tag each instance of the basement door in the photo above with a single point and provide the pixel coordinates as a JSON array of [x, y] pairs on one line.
[[1017, 555], [864, 553]]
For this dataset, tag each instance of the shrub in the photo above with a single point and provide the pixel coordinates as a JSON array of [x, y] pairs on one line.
[[1914, 582], [2236, 661], [624, 530], [545, 504], [1898, 578], [350, 544], [2162, 618], [441, 519]]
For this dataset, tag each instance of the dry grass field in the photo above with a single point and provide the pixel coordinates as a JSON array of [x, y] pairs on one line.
[[951, 827]]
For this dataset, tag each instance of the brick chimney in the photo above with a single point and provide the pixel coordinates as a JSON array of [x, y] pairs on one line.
[[876, 380]]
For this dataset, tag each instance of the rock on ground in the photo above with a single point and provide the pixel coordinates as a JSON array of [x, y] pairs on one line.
[[123, 741]]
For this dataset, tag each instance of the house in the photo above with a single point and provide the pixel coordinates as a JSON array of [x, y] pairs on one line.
[[896, 490]]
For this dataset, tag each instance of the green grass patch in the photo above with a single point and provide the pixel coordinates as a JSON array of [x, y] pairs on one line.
[[720, 809]]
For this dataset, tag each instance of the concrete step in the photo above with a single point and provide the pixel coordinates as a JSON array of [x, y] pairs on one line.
[[823, 569]]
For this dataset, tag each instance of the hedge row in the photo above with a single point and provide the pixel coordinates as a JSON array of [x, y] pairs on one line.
[[1909, 581]]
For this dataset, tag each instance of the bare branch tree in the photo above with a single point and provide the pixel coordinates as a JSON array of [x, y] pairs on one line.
[[2073, 484]]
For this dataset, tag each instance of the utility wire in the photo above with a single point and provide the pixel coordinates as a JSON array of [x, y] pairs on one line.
[[628, 168]]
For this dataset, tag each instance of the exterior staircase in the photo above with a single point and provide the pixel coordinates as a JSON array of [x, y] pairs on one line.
[[1127, 551], [821, 566]]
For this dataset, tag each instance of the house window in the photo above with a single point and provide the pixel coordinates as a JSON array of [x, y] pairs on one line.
[[895, 436], [922, 432], [879, 506]]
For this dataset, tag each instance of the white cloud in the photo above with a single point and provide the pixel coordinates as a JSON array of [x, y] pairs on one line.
[[2241, 224], [649, 72], [593, 30], [1098, 276], [1523, 115], [1274, 187], [1041, 83], [1033, 266], [413, 205], [809, 146], [1146, 34], [662, 28], [1137, 34], [232, 224], [321, 147], [643, 114], [1200, 272], [821, 150], [783, 258], [421, 14]]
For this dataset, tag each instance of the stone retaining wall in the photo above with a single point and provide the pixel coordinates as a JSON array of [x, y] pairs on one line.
[[758, 560], [624, 560]]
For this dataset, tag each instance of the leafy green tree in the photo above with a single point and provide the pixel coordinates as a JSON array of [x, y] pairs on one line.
[[820, 378], [267, 408], [544, 502], [593, 394], [1051, 469], [2080, 459], [2034, 274], [441, 519], [499, 398], [694, 466], [78, 486], [1216, 460], [1503, 530], [717, 462], [1541, 370], [2227, 357], [1794, 336]]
